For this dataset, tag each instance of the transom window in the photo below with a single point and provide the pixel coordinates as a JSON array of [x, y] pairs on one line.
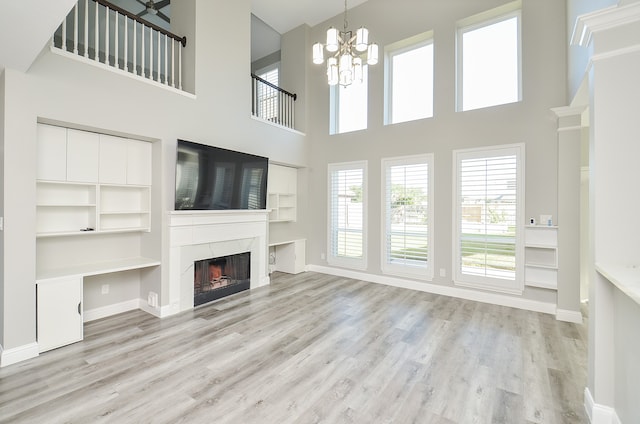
[[409, 79], [349, 105], [488, 60]]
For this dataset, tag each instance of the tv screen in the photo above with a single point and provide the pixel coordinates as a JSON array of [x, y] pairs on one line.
[[212, 178]]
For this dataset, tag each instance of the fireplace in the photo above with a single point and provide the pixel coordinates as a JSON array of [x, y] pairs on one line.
[[201, 235], [219, 277]]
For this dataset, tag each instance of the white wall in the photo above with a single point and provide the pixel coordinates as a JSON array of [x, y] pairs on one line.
[[529, 121], [65, 91]]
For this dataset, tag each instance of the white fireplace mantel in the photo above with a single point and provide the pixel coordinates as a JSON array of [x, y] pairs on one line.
[[197, 235]]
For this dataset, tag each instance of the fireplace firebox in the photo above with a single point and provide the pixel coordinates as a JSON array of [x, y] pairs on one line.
[[219, 277]]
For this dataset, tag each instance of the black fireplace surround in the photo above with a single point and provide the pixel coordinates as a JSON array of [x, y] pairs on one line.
[[219, 277]]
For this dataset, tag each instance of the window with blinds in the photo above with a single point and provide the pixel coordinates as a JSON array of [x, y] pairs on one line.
[[489, 195], [347, 214], [267, 95], [408, 213]]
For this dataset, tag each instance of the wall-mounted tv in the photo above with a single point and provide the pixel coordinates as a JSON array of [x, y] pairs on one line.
[[212, 178]]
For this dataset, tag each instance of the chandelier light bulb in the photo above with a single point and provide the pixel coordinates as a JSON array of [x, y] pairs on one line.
[[318, 53], [372, 54], [332, 40], [357, 69], [332, 71], [362, 39]]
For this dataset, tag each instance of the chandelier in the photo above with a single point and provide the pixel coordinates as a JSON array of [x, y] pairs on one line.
[[346, 51]]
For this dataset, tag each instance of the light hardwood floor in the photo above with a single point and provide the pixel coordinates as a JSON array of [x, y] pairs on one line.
[[310, 348]]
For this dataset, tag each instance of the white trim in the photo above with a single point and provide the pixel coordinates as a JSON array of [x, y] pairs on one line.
[[564, 111], [18, 354], [601, 20], [599, 414], [274, 124], [461, 293], [569, 316], [109, 68], [116, 308]]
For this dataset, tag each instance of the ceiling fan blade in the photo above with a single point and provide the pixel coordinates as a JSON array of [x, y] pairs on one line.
[[164, 17], [141, 14], [163, 3]]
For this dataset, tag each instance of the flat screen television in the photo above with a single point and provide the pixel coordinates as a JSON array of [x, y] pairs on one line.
[[212, 178]]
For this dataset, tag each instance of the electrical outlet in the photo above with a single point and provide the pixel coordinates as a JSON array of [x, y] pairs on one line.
[[443, 272], [105, 289], [152, 299]]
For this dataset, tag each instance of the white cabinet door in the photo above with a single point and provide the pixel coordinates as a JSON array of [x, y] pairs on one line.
[[82, 156], [52, 153], [113, 160], [59, 312], [138, 162]]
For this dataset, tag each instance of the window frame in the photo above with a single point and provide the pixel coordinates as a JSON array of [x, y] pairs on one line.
[[483, 20], [515, 286], [398, 48], [425, 272], [344, 261]]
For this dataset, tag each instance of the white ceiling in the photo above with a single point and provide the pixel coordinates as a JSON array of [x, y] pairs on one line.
[[285, 15]]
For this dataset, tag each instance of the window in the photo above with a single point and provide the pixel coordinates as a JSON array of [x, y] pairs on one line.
[[347, 214], [349, 105], [489, 194], [267, 95], [489, 58], [409, 79], [408, 216]]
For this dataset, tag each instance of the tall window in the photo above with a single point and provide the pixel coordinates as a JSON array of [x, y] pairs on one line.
[[489, 58], [489, 194], [408, 216], [347, 214], [409, 79], [349, 105]]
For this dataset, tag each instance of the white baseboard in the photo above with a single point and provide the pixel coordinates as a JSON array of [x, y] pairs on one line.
[[462, 293], [18, 354], [599, 414], [116, 308], [569, 316]]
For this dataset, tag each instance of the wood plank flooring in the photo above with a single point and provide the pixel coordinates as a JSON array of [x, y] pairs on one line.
[[310, 348]]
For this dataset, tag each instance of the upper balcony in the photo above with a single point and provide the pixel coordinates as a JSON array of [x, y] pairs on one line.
[[103, 34]]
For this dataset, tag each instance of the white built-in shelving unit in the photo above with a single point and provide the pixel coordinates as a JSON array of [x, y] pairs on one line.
[[88, 184], [541, 256], [282, 193], [91, 183]]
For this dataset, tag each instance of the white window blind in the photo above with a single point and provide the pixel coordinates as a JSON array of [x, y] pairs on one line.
[[489, 199], [268, 96], [408, 215], [347, 199]]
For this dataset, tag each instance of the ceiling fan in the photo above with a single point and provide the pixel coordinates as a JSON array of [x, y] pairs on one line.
[[153, 8]]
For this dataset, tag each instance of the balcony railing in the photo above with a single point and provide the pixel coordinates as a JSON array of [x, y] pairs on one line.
[[272, 103], [100, 31]]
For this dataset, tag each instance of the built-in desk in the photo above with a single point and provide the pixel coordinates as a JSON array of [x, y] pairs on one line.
[[288, 256], [60, 297]]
